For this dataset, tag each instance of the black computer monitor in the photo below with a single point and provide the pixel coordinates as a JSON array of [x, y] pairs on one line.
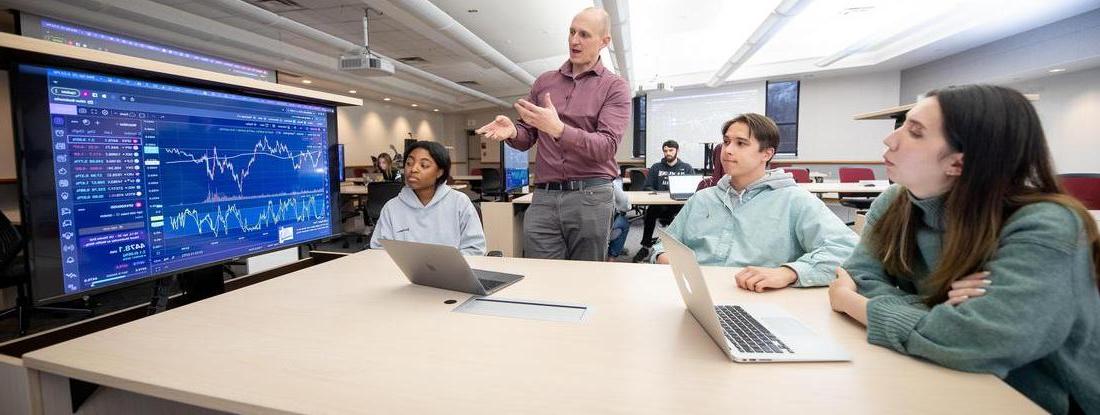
[[516, 169], [128, 176], [340, 162]]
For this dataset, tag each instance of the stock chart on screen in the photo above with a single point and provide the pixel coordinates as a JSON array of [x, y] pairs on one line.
[[153, 177]]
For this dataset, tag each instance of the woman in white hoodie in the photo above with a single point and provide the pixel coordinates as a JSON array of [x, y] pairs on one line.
[[427, 210]]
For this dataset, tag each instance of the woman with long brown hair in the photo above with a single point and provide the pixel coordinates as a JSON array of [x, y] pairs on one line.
[[977, 260]]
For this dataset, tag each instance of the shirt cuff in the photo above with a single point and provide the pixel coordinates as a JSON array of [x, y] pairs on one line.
[[890, 321], [803, 272]]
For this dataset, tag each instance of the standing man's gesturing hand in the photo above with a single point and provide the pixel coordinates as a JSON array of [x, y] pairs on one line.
[[544, 118], [500, 129]]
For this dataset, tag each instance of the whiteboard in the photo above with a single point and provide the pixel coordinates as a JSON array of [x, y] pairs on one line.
[[694, 117]]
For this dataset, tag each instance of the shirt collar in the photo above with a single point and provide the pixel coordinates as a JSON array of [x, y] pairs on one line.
[[598, 69]]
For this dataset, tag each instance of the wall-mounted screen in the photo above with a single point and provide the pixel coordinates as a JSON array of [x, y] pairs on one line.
[[129, 178]]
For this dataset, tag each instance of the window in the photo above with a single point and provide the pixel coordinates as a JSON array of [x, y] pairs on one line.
[[781, 105]]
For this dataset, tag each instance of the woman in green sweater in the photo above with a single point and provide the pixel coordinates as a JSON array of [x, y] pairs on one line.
[[977, 260]]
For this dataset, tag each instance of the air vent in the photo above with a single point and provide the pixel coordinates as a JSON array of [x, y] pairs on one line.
[[468, 83], [278, 6], [413, 60]]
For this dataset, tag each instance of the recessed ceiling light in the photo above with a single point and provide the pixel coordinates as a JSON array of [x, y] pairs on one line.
[[435, 109], [1056, 70], [386, 99], [352, 91], [306, 81], [415, 105]]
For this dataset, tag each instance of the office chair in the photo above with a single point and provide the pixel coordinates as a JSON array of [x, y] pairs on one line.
[[13, 273], [637, 180], [637, 184], [1083, 186], [378, 193], [715, 175], [854, 175], [490, 184], [800, 175], [475, 185]]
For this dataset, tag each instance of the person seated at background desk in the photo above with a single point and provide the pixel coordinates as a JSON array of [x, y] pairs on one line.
[[977, 260], [390, 172], [427, 210], [619, 223], [760, 219], [657, 180]]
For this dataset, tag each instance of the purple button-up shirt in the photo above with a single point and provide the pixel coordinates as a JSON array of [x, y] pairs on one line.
[[595, 107]]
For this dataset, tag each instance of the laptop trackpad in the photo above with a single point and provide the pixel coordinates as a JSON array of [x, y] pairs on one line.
[[786, 327]]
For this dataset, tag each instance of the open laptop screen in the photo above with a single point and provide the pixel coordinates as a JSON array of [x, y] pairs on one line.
[[683, 184]]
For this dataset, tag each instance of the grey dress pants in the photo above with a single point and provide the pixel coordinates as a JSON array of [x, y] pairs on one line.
[[569, 224]]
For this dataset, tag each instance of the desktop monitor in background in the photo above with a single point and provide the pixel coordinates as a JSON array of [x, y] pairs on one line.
[[130, 176], [340, 163], [515, 168]]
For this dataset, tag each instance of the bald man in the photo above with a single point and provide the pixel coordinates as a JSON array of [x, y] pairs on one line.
[[576, 115]]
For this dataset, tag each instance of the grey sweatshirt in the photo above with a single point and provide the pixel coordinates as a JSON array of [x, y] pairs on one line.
[[1037, 326], [448, 219]]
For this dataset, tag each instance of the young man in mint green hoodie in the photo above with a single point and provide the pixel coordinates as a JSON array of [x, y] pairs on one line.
[[760, 219]]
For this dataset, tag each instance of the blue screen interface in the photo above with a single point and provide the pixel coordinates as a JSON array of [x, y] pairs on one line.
[[154, 177], [515, 168]]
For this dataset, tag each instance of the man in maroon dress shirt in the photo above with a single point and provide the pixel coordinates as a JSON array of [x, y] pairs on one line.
[[576, 115]]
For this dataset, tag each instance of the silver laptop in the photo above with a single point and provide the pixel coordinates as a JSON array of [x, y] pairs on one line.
[[442, 266], [682, 187], [746, 332]]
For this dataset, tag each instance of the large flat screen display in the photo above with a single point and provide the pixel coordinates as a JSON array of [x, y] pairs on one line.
[[515, 168], [129, 178]]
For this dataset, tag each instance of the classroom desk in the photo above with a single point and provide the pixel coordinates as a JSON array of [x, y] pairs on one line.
[[644, 198], [503, 221], [353, 190], [836, 187], [14, 216], [362, 190], [353, 336]]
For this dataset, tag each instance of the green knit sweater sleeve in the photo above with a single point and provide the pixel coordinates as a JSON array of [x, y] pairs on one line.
[[867, 270], [1021, 317]]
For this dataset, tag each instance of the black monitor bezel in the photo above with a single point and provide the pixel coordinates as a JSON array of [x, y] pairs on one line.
[[39, 210]]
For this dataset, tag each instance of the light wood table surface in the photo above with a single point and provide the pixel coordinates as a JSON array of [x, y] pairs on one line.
[[14, 216], [836, 187], [354, 189], [636, 198], [353, 336], [467, 177]]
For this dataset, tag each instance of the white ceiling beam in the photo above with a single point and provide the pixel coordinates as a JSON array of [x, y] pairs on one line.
[[772, 24], [263, 16], [618, 11], [442, 23]]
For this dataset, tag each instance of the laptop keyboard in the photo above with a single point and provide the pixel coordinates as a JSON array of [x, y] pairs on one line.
[[490, 284], [747, 334]]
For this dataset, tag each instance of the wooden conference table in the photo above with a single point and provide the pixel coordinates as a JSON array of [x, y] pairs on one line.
[[353, 336]]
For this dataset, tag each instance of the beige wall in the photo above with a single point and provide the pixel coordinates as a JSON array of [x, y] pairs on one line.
[[372, 128]]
